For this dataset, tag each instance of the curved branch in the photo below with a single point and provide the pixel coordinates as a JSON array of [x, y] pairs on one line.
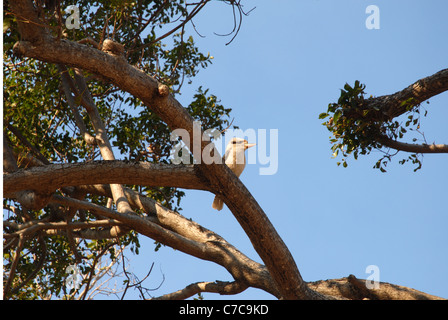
[[221, 287], [190, 16], [411, 147], [65, 82], [38, 266], [12, 271], [218, 250], [141, 225]]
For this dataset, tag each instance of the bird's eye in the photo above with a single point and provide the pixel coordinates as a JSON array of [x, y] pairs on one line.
[[234, 142]]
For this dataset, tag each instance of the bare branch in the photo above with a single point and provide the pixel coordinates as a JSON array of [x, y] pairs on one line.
[[12, 272], [355, 289], [218, 249], [38, 265], [27, 144], [9, 162], [35, 226], [190, 16], [221, 287], [66, 81], [410, 147], [91, 281], [141, 225]]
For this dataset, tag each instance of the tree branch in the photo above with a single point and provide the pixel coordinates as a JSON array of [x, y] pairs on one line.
[[66, 81], [355, 289], [221, 287], [190, 16], [218, 249], [104, 144], [15, 261], [410, 147], [38, 266], [29, 199], [53, 176], [31, 228], [394, 105], [141, 225]]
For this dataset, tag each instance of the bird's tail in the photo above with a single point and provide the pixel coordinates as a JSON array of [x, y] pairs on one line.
[[217, 203]]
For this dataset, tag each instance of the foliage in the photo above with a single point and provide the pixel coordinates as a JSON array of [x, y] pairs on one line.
[[39, 125], [357, 129]]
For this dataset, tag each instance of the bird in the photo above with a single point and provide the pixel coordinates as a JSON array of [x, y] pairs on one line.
[[235, 159]]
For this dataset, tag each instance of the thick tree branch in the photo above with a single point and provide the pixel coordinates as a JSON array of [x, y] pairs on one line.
[[355, 289], [394, 105], [51, 177]]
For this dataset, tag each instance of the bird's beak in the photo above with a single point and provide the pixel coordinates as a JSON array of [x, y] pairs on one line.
[[248, 145]]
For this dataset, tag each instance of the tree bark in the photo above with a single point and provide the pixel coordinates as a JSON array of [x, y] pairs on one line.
[[355, 289], [394, 105], [49, 178]]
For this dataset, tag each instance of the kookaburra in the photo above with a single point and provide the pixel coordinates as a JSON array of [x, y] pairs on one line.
[[235, 159]]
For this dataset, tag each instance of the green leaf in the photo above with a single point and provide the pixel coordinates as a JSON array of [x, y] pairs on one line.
[[323, 115], [336, 116]]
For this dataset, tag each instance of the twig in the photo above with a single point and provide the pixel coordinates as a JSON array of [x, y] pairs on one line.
[[39, 265], [14, 264], [92, 268], [227, 126], [195, 11]]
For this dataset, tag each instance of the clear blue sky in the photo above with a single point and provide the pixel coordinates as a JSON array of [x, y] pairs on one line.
[[289, 61]]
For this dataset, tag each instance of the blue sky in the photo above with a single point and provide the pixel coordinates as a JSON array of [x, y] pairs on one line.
[[289, 61]]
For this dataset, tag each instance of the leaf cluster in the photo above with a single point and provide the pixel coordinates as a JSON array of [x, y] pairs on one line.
[[357, 127]]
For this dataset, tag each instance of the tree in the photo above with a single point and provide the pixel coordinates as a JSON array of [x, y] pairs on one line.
[[75, 95]]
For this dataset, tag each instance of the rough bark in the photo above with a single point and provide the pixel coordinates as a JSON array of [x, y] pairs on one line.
[[49, 178], [355, 289], [394, 105]]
